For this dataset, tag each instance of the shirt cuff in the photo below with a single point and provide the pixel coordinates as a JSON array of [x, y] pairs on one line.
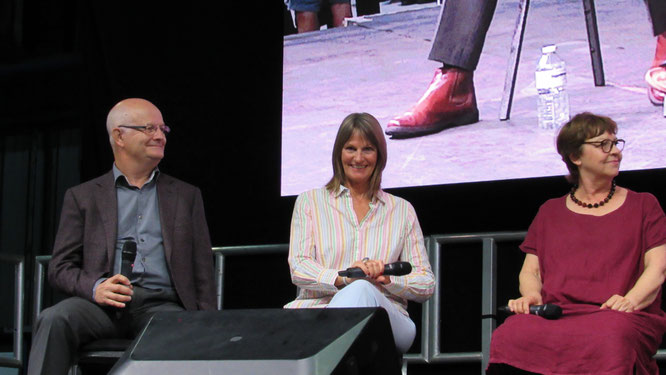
[[96, 284], [327, 278], [397, 285]]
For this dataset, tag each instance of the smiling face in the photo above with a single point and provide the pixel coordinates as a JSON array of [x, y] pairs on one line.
[[141, 145], [593, 162], [137, 145], [359, 158]]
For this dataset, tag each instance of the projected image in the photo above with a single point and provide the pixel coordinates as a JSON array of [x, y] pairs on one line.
[[443, 125]]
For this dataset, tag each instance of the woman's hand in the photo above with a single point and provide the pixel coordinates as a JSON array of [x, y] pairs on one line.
[[530, 286], [374, 270], [522, 304], [619, 303]]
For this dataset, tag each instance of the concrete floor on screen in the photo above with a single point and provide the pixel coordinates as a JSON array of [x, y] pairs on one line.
[[380, 66]]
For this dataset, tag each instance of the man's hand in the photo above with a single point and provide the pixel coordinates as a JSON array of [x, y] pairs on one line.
[[115, 291]]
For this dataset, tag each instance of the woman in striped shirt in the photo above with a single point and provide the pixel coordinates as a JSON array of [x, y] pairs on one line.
[[351, 222]]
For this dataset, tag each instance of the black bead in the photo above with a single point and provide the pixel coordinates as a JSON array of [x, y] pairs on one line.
[[590, 205]]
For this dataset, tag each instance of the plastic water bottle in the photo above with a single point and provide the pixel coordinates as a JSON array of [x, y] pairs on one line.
[[551, 81]]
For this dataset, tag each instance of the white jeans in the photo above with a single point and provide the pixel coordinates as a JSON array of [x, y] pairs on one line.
[[362, 293]]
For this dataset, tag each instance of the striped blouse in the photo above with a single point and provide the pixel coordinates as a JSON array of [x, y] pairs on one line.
[[326, 237]]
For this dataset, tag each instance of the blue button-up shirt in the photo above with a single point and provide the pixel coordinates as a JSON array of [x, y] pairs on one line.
[[139, 221]]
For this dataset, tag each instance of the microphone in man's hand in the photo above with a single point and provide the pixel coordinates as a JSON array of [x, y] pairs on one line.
[[128, 254], [395, 269], [547, 311]]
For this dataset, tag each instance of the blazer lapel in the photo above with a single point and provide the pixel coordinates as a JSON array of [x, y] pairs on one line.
[[167, 197], [107, 206]]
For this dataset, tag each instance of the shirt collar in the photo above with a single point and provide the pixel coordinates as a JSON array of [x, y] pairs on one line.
[[380, 196], [121, 180]]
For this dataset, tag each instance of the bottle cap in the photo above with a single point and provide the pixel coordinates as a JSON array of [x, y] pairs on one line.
[[548, 48]]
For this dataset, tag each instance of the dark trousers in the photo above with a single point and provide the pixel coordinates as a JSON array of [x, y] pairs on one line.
[[63, 328], [657, 9], [461, 32]]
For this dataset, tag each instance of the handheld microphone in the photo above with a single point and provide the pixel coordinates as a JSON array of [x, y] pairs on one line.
[[128, 254], [547, 311], [395, 269]]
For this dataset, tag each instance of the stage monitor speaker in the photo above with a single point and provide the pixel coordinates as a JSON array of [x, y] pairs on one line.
[[264, 341]]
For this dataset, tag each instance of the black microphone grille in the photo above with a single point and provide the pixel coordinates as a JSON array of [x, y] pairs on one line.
[[397, 268], [129, 248], [548, 311]]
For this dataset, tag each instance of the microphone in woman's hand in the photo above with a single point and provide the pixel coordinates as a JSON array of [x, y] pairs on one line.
[[548, 311], [395, 269]]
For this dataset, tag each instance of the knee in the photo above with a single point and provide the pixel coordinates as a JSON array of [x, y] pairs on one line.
[[620, 333], [52, 317], [362, 289], [363, 286], [360, 293], [60, 316]]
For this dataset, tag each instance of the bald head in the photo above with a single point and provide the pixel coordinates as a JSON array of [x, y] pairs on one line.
[[131, 111]]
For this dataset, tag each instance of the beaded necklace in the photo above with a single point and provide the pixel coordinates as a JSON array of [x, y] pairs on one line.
[[592, 205]]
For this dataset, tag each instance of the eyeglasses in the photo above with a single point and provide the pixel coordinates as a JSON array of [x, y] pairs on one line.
[[607, 144], [148, 129]]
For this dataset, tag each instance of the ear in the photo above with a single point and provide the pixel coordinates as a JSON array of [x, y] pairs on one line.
[[117, 135], [575, 159]]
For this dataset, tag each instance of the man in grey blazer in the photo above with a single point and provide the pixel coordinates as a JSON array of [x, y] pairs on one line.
[[131, 204]]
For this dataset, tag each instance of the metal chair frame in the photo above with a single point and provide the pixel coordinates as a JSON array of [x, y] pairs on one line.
[[221, 253], [489, 241], [16, 361]]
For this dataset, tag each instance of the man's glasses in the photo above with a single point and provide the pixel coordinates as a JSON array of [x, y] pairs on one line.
[[607, 144], [148, 129]]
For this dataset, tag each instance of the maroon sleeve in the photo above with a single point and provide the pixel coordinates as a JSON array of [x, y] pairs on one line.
[[530, 243], [654, 223]]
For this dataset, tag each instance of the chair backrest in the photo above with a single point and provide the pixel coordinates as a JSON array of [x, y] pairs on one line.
[[16, 361], [488, 246], [41, 264], [221, 253]]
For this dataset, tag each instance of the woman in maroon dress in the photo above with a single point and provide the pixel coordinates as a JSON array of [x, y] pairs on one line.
[[599, 252]]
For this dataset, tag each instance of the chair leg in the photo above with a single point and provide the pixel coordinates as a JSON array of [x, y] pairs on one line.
[[593, 40], [74, 370], [514, 58]]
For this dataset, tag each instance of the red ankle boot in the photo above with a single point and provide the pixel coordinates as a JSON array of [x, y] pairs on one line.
[[449, 101]]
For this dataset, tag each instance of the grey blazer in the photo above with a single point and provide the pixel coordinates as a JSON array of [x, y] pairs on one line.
[[85, 243]]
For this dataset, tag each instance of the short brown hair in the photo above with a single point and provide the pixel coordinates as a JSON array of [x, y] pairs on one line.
[[573, 134], [368, 127]]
